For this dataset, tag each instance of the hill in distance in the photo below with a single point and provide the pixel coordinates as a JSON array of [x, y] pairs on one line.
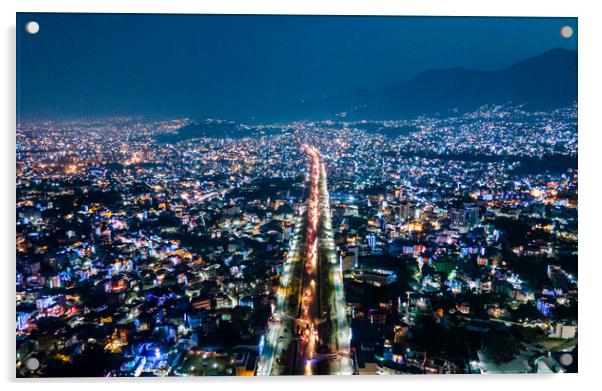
[[544, 82], [213, 128]]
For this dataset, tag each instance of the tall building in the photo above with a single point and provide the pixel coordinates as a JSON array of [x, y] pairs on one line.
[[466, 217], [350, 259], [472, 215], [405, 211]]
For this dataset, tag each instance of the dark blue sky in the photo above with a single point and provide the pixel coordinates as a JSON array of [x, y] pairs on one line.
[[218, 65]]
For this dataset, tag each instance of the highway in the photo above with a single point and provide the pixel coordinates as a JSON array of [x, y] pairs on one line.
[[308, 332], [340, 336], [281, 328]]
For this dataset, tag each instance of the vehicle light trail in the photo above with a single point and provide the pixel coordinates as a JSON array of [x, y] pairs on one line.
[[311, 300]]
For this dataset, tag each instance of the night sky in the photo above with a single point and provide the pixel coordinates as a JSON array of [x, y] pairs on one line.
[[210, 65]]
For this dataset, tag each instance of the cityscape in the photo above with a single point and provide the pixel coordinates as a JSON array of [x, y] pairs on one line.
[[356, 243]]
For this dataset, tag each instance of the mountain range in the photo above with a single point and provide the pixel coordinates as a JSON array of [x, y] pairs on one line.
[[544, 82]]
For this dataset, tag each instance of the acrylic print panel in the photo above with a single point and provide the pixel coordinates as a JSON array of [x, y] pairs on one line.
[[295, 195]]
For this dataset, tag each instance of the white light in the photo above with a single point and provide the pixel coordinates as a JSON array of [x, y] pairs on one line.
[[32, 27], [566, 32]]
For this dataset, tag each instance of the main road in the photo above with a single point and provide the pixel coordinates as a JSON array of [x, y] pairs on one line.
[[308, 332]]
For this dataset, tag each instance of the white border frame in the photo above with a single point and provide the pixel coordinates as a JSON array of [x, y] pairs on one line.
[[590, 135]]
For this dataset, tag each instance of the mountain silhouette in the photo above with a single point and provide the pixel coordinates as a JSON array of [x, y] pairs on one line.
[[544, 82]]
